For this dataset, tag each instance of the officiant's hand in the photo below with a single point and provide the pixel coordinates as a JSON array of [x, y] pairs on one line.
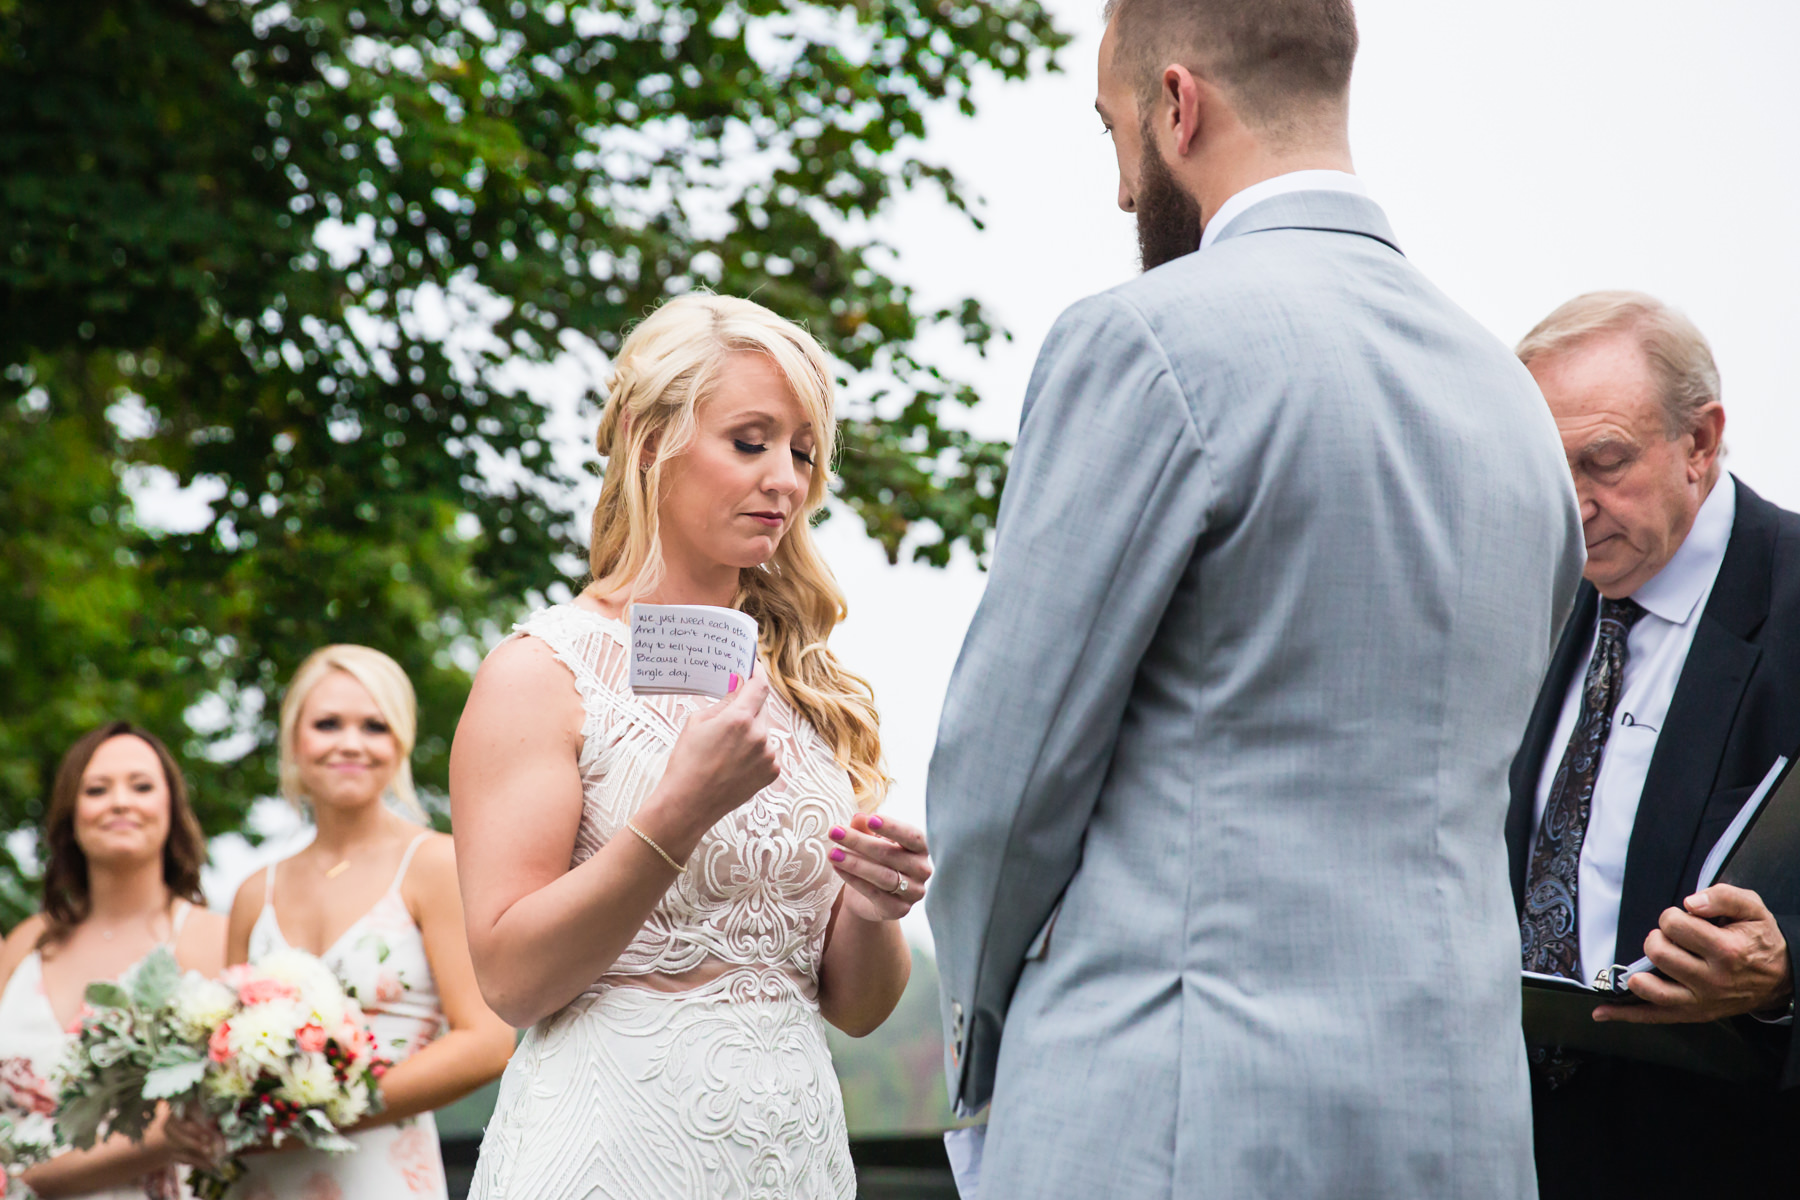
[[1724, 956], [884, 864]]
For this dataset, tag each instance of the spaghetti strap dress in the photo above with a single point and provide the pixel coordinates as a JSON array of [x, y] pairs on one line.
[[380, 959]]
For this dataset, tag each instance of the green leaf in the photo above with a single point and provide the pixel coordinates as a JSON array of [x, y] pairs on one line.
[[155, 978], [167, 1082], [78, 1118], [106, 994]]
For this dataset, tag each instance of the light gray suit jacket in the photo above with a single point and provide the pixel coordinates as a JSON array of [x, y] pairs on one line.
[[1286, 542]]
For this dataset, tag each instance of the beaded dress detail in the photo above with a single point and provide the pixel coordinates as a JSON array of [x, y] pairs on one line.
[[697, 1065]]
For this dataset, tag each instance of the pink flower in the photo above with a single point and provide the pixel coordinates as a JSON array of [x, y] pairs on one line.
[[87, 1010], [311, 1038], [417, 1157], [261, 991], [387, 988], [28, 1091], [218, 1047]]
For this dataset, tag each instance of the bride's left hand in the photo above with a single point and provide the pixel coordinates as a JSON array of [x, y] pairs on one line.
[[884, 864]]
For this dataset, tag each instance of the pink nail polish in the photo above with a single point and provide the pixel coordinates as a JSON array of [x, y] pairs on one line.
[[837, 833], [837, 855], [874, 822], [732, 684]]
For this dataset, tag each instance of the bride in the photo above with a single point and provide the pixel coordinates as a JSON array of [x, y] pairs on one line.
[[674, 893]]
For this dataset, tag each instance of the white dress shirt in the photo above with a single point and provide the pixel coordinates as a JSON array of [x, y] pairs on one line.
[[1655, 651], [1280, 185]]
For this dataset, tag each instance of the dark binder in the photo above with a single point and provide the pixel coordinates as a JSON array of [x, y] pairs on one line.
[[1560, 1012], [1759, 851], [1765, 859]]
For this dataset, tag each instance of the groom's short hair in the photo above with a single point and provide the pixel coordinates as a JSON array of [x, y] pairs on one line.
[[1278, 59]]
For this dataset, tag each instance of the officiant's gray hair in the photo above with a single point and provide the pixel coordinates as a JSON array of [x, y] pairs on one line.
[[1280, 60], [1676, 350]]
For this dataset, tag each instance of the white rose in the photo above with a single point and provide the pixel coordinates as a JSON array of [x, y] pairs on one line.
[[320, 992], [329, 1008], [348, 1106], [298, 969], [201, 1004], [263, 1034], [227, 1081], [308, 1081]]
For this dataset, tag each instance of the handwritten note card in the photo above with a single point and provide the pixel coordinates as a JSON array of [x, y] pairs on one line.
[[689, 649]]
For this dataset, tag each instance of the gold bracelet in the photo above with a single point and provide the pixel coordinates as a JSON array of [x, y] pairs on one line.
[[651, 842]]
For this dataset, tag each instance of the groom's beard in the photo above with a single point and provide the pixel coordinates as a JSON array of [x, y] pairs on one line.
[[1168, 219]]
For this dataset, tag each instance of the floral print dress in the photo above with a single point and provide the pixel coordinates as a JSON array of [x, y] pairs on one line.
[[381, 961]]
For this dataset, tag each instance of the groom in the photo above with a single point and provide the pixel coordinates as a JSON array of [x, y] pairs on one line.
[[1221, 907]]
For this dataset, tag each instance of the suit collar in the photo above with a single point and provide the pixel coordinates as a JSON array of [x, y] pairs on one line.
[[1279, 185], [1330, 212], [1674, 592], [1740, 600]]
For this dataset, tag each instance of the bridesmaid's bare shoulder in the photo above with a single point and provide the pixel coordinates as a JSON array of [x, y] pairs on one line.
[[201, 946], [19, 943]]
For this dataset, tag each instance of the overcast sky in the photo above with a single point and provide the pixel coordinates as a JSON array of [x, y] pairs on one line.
[[1524, 152]]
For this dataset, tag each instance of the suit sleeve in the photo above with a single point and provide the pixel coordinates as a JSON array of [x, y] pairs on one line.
[[1107, 497], [1787, 1045]]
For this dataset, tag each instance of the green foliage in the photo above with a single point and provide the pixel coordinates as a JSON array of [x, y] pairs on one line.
[[246, 242], [893, 1079], [125, 1036]]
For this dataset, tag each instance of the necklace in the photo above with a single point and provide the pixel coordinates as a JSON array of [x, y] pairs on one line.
[[342, 866], [106, 935]]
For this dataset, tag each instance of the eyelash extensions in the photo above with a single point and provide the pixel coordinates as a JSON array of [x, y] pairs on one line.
[[744, 447]]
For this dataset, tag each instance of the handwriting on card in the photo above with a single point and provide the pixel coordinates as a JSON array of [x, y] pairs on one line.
[[690, 648]]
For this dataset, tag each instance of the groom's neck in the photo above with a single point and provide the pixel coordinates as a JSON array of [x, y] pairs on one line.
[[1244, 160]]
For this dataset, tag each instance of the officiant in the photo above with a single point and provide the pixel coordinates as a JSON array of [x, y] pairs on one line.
[[1675, 686]]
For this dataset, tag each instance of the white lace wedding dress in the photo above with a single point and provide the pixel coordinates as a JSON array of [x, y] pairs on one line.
[[697, 1066]]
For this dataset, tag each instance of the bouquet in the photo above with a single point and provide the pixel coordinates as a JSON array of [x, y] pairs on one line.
[[27, 1134], [271, 1052]]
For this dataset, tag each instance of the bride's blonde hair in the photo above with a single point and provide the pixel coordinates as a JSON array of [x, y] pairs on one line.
[[668, 365]]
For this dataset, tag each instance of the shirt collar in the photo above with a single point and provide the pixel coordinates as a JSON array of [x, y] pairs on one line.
[[1280, 185], [1673, 591]]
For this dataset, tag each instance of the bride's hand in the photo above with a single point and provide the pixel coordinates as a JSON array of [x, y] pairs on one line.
[[884, 864], [725, 754]]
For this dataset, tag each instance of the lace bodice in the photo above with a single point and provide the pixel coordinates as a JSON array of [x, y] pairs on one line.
[[758, 890]]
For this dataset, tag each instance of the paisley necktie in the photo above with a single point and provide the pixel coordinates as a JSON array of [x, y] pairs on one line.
[[1549, 932]]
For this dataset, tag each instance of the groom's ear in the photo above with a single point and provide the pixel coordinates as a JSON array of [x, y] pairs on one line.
[[1187, 104]]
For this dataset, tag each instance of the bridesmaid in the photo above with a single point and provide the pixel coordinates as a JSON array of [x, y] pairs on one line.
[[376, 897], [122, 878]]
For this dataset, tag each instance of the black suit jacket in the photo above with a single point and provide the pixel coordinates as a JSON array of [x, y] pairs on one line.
[[1736, 709]]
